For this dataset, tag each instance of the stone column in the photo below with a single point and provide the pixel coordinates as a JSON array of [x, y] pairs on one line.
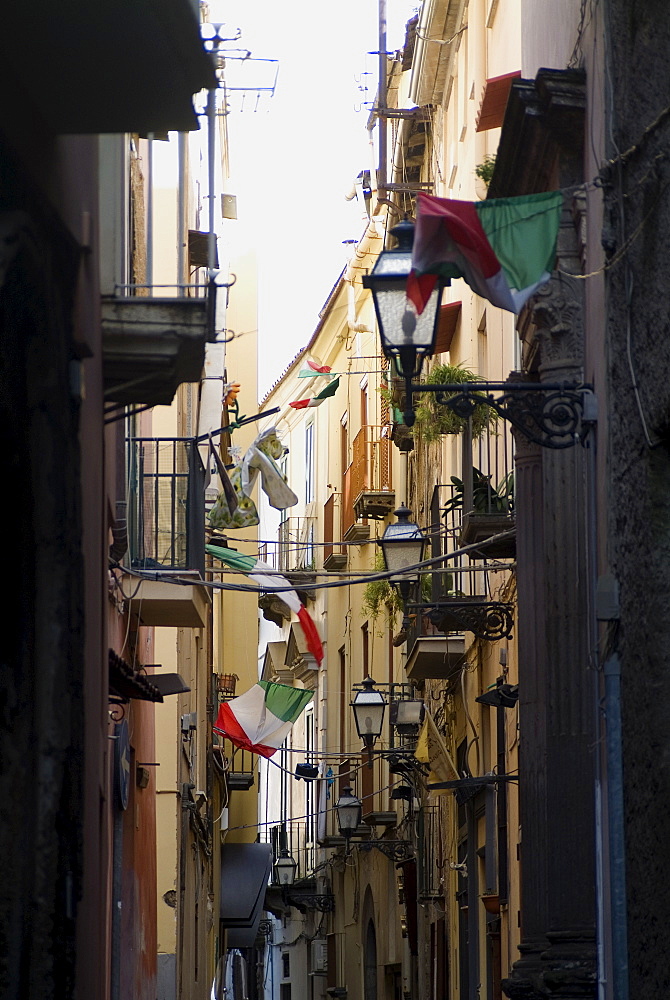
[[569, 961], [526, 976]]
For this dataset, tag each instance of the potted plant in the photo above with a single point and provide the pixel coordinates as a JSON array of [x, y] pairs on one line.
[[434, 419], [491, 514]]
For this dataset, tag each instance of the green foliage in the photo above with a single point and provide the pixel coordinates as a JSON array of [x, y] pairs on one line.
[[380, 596], [434, 419], [486, 498], [484, 170]]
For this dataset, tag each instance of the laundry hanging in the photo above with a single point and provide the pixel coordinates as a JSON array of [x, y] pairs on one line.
[[259, 458], [504, 248], [267, 579], [261, 718]]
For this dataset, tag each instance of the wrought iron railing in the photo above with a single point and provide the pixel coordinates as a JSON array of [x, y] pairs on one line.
[[299, 838], [296, 549], [166, 504], [370, 461], [431, 861]]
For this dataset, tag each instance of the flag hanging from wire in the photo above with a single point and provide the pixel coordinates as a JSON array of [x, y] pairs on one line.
[[267, 579], [261, 718], [504, 248], [317, 400]]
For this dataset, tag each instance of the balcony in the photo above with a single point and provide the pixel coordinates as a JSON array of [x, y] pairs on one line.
[[166, 516], [151, 345], [238, 765], [484, 498], [367, 486], [432, 654], [334, 556], [432, 864]]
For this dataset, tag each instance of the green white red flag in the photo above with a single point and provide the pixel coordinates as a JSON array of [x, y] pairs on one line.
[[504, 248], [317, 400], [261, 718], [312, 366], [267, 579]]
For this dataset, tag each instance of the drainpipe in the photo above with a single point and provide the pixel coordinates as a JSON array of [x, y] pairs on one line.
[[150, 212], [381, 99], [181, 213], [615, 812], [211, 159]]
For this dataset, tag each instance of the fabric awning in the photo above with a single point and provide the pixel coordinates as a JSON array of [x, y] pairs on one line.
[[107, 66], [245, 872]]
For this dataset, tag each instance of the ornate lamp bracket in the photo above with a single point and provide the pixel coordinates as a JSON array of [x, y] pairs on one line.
[[303, 901], [395, 850], [491, 621], [551, 414]]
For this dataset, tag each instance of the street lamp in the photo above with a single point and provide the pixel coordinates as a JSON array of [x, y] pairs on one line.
[[285, 868], [406, 336], [349, 810], [403, 544], [369, 707]]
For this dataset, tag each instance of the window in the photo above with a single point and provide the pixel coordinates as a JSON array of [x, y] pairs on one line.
[[286, 965]]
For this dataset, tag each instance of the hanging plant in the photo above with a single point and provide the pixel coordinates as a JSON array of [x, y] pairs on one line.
[[380, 596], [434, 419]]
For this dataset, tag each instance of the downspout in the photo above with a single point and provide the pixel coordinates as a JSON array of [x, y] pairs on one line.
[[181, 213], [211, 160], [150, 211], [381, 99]]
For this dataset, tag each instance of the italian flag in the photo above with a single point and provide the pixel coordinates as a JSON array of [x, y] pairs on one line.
[[317, 400], [261, 718], [312, 366], [504, 248], [267, 579]]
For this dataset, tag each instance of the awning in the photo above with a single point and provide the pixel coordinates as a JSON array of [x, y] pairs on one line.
[[127, 683], [446, 326], [494, 101], [245, 872], [104, 66]]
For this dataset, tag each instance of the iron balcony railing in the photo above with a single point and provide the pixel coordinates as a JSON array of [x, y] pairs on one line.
[[430, 853], [166, 504], [295, 549], [299, 838], [369, 469]]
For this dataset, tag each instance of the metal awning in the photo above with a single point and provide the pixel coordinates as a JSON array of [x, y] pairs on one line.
[[107, 66], [245, 872], [126, 683]]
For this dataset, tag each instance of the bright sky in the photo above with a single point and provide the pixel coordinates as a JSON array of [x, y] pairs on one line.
[[296, 157]]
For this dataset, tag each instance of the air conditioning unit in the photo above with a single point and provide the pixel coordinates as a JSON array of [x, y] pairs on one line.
[[319, 956]]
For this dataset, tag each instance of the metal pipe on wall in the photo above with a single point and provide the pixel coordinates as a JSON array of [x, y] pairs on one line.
[[381, 99]]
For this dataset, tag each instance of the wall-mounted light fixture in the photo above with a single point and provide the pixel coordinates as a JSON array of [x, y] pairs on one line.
[[285, 868], [552, 414], [403, 545], [349, 810], [369, 707]]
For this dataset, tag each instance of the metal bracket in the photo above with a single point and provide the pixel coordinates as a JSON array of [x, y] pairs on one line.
[[303, 901], [395, 850], [491, 620], [551, 414]]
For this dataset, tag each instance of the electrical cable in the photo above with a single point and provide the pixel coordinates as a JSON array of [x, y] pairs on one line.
[[417, 568]]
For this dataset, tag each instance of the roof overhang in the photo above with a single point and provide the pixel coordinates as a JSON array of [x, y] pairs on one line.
[[107, 66], [432, 63]]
